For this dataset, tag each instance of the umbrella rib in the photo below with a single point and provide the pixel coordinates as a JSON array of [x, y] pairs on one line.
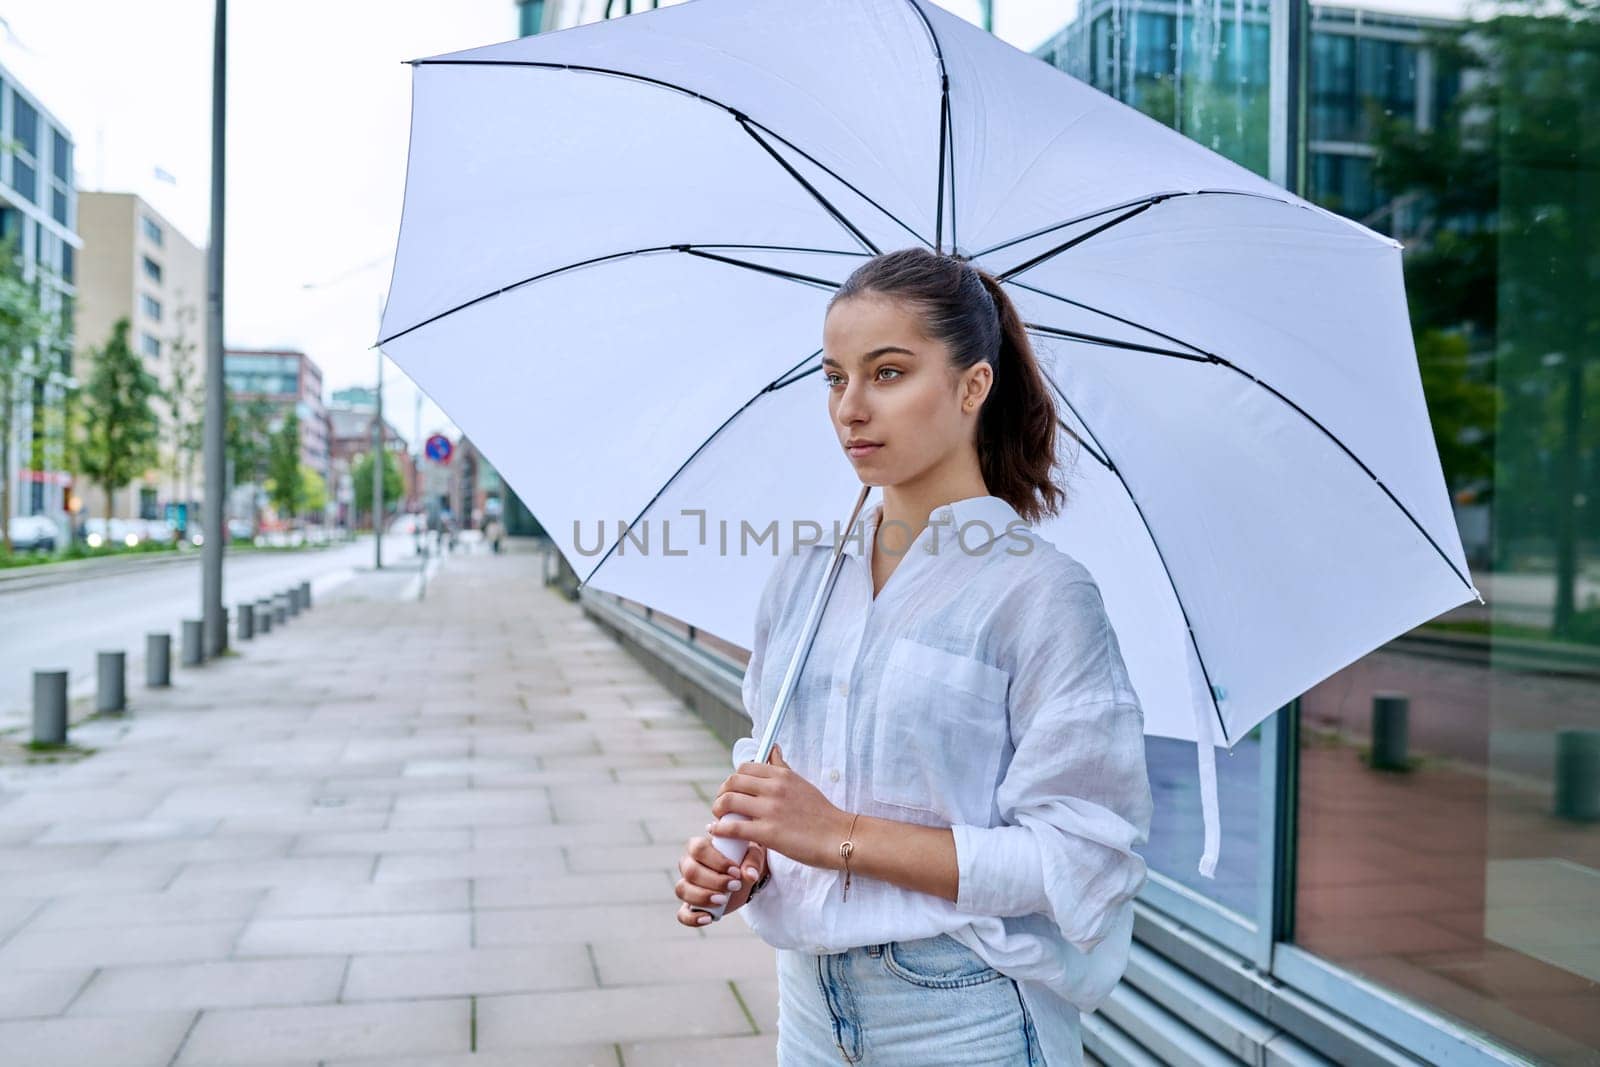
[[1149, 201], [838, 216], [777, 272], [738, 115], [769, 387], [1155, 544], [1209, 357], [1007, 275], [1112, 342], [689, 248], [1104, 314], [946, 139]]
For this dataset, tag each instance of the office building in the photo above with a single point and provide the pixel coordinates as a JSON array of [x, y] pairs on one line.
[[39, 216], [287, 380], [137, 265]]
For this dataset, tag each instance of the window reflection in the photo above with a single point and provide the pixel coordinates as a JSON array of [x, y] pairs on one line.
[[1448, 838]]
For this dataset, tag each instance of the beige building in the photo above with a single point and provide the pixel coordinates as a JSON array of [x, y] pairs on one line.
[[135, 264]]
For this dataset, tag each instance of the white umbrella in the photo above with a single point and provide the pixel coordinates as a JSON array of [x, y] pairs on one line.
[[618, 241]]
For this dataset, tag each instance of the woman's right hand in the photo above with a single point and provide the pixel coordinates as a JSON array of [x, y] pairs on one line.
[[704, 875]]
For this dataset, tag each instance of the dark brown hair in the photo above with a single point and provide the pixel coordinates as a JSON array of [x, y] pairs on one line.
[[965, 308]]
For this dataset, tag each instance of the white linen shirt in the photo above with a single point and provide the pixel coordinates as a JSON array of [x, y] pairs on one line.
[[983, 689]]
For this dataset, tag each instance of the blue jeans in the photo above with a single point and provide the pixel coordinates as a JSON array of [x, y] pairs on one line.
[[921, 1003]]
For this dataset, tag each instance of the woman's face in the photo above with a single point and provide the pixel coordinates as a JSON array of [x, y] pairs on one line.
[[891, 385]]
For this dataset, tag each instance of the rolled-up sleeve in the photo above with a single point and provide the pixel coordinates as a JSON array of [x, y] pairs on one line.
[[1075, 798]]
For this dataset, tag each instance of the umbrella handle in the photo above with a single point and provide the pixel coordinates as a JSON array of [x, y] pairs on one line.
[[733, 848]]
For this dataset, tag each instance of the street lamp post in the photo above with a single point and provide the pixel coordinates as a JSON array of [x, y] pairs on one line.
[[379, 462], [213, 621]]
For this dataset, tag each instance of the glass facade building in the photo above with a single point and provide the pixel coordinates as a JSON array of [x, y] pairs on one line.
[[39, 219], [1414, 844]]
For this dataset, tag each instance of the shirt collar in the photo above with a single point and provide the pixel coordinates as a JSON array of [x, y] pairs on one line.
[[992, 514]]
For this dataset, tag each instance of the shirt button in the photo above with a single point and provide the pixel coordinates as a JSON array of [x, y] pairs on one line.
[[844, 689], [833, 775]]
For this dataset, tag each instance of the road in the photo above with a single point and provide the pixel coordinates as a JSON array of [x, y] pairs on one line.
[[64, 626]]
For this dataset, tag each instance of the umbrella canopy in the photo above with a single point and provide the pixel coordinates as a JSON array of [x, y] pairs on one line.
[[618, 242]]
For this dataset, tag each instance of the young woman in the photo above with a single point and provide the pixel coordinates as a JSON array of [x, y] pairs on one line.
[[942, 846]]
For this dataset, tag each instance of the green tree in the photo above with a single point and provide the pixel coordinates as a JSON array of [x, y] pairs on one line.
[[29, 341], [185, 397], [315, 499], [1497, 202], [393, 481], [248, 433], [285, 484], [120, 429]]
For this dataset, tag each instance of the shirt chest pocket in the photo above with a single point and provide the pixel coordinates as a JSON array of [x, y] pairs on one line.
[[939, 732]]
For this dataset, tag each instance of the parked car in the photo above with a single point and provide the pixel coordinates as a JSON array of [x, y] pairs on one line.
[[120, 531], [157, 530], [33, 533]]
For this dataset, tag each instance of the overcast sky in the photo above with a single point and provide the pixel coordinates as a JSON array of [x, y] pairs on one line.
[[318, 114]]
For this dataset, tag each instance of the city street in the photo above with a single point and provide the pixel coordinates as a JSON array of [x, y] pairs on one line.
[[56, 626]]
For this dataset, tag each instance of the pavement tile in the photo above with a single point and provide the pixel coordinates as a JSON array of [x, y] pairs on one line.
[[415, 975], [42, 948], [707, 1052], [221, 984], [625, 1013], [350, 934], [328, 1031], [177, 906], [130, 1041], [269, 873], [24, 994], [622, 887], [443, 895]]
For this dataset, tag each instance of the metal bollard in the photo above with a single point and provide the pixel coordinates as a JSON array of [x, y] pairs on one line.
[[247, 622], [193, 636], [1578, 775], [1390, 712], [264, 616], [227, 627], [50, 707], [280, 609], [216, 646], [305, 595], [293, 594], [157, 661], [111, 682]]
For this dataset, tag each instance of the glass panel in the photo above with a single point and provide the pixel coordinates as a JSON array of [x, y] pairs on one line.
[[1201, 68], [1198, 67], [23, 179], [25, 125], [61, 156], [1449, 826]]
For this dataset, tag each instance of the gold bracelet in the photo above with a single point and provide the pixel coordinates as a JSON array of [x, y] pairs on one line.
[[846, 847]]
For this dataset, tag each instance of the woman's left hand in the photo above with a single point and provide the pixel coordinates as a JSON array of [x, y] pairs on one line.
[[785, 812]]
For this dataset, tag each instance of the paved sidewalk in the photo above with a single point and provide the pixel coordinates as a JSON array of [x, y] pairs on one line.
[[390, 832]]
